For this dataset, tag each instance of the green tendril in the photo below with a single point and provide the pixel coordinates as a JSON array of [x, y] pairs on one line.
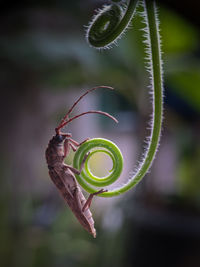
[[154, 67], [93, 146], [109, 24]]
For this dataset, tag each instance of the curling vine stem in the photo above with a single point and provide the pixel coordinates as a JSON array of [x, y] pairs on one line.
[[154, 54], [105, 39]]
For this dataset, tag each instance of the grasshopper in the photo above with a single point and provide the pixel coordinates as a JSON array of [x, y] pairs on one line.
[[62, 174]]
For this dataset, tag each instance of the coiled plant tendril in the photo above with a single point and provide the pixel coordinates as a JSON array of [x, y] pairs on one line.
[[154, 67], [109, 24], [102, 145]]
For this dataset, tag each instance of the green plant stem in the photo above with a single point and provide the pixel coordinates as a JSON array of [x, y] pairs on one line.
[[154, 54], [156, 73]]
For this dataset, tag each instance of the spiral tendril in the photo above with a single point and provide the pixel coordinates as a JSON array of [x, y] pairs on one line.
[[109, 24], [154, 67], [87, 178]]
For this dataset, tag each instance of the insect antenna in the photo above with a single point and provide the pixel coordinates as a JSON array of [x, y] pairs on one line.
[[65, 118], [84, 113]]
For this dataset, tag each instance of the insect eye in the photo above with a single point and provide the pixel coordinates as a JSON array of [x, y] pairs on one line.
[[60, 138]]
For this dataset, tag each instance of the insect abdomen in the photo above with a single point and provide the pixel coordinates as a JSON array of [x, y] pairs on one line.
[[85, 218]]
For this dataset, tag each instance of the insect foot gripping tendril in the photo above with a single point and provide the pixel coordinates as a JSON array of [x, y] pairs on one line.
[[105, 29]]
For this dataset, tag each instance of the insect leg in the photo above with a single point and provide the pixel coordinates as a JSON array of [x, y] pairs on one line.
[[66, 147], [73, 147], [71, 143], [76, 143], [89, 200], [74, 170], [83, 141]]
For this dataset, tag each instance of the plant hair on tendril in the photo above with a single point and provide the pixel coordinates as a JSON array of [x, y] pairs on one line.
[[154, 63]]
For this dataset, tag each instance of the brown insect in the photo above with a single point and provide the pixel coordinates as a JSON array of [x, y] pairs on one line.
[[63, 175]]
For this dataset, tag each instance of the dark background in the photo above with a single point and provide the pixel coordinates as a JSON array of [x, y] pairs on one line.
[[45, 64]]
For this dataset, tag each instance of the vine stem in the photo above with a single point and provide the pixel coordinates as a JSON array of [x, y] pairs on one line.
[[154, 51], [155, 69]]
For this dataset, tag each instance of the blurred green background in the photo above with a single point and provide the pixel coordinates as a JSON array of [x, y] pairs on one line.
[[45, 65]]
